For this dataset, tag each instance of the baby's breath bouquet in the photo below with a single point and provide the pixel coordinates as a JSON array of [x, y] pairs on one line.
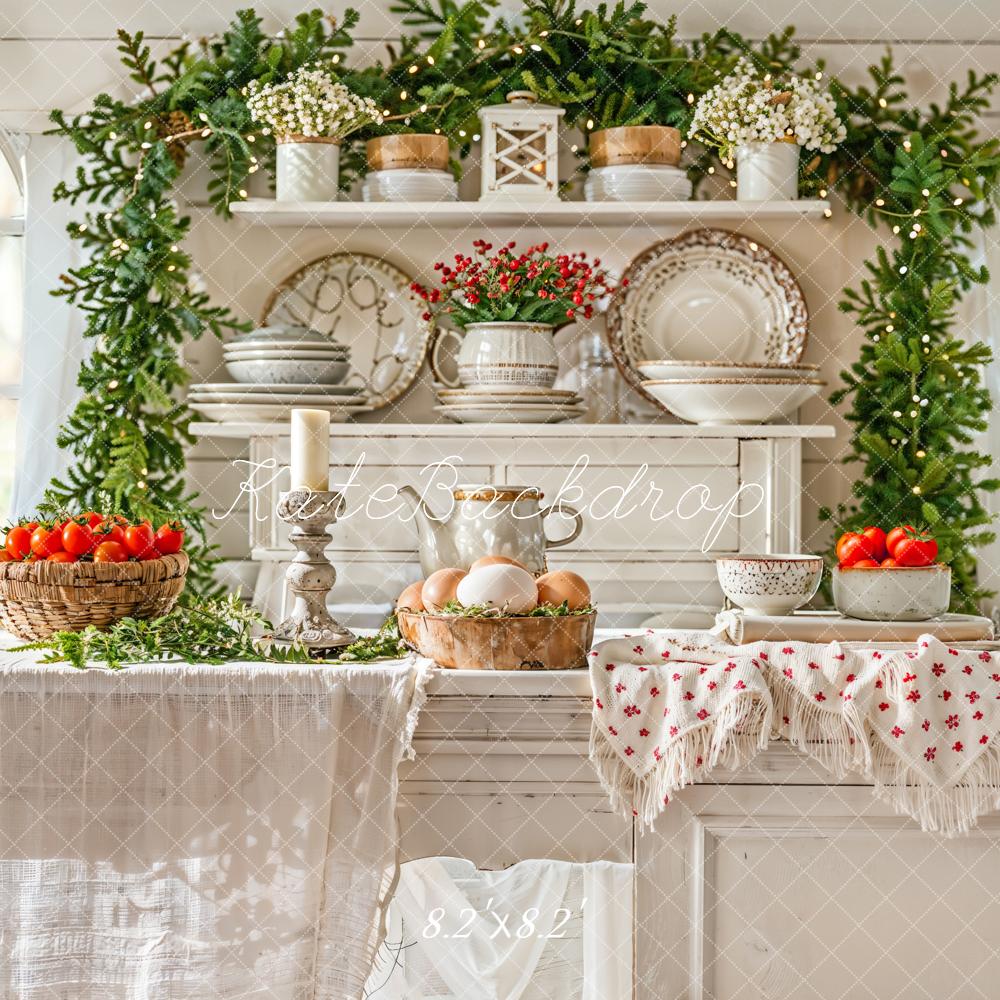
[[746, 107], [310, 104]]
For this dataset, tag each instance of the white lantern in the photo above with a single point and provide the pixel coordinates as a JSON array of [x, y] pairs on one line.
[[520, 150]]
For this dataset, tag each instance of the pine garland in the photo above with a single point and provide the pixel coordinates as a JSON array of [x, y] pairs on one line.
[[129, 431], [916, 392]]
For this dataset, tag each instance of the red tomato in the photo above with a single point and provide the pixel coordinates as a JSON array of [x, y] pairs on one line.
[[110, 552], [140, 541], [867, 563], [93, 518], [18, 543], [916, 550], [62, 557], [170, 537], [889, 563], [877, 537], [896, 536], [78, 539], [46, 541], [5, 556], [856, 548], [30, 525], [842, 541], [108, 531]]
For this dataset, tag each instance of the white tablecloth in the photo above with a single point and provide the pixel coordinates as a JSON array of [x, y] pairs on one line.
[[197, 831]]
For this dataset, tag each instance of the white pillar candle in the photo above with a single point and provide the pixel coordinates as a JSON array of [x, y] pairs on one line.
[[310, 450]]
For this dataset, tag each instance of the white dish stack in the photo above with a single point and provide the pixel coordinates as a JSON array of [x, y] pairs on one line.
[[420, 184], [728, 392], [637, 182], [505, 375], [277, 368], [711, 326], [510, 405]]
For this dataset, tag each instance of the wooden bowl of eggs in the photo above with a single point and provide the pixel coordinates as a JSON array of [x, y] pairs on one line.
[[497, 616]]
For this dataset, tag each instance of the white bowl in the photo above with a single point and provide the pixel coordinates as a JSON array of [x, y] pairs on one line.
[[637, 182], [893, 594], [281, 347], [305, 388], [732, 400], [283, 334], [281, 371], [769, 584], [670, 370]]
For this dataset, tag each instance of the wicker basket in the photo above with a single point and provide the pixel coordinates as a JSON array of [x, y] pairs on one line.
[[40, 598], [540, 643]]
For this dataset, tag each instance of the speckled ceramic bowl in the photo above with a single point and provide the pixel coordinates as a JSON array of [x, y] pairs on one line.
[[899, 594], [769, 584]]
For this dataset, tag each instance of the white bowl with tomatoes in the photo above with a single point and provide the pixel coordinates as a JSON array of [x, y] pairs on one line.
[[892, 576]]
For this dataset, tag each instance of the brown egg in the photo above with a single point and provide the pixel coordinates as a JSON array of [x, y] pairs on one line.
[[495, 560], [562, 585], [410, 598], [439, 588]]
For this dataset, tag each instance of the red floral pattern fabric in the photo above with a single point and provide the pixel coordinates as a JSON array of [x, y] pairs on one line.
[[922, 723]]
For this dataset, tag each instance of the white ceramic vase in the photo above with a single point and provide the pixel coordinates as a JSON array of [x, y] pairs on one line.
[[308, 169], [508, 354], [767, 171]]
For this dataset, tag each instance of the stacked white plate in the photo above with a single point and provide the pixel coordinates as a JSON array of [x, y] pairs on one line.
[[409, 185], [272, 356], [512, 405], [232, 401], [723, 392], [637, 182]]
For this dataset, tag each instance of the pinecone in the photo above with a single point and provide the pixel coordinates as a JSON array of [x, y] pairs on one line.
[[174, 123]]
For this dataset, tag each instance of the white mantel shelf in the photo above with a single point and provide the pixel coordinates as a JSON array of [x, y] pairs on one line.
[[243, 430], [570, 214]]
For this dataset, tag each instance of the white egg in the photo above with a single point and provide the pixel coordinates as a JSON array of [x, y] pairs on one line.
[[499, 586]]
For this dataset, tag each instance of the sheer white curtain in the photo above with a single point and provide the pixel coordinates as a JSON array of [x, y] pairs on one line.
[[980, 320], [53, 342], [541, 930]]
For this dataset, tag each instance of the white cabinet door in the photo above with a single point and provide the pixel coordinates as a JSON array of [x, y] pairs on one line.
[[797, 892]]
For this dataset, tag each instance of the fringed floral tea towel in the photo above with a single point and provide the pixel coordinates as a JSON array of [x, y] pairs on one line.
[[922, 723]]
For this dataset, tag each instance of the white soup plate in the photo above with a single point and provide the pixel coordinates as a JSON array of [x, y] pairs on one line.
[[510, 413], [244, 412], [656, 370], [732, 401]]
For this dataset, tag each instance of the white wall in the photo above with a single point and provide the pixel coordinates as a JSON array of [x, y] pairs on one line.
[[48, 61]]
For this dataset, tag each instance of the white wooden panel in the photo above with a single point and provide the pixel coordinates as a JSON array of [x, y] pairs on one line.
[[626, 450], [853, 23], [629, 509], [497, 830], [182, 18]]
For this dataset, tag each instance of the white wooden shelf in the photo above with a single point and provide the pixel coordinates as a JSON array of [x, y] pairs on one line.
[[567, 214], [248, 429], [12, 225]]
